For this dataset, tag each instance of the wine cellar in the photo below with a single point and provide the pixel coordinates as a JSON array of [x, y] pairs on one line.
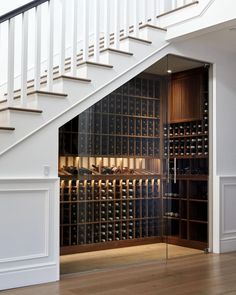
[[133, 172]]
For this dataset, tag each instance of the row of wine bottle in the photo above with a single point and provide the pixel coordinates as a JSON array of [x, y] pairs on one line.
[[187, 129], [140, 87], [96, 145], [118, 124], [107, 232], [75, 213], [81, 190], [96, 169], [194, 146], [189, 166]]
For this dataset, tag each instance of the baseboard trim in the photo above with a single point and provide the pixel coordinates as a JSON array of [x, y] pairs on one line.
[[27, 277], [228, 245]]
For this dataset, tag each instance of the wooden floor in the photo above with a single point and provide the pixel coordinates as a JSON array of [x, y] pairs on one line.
[[196, 275], [113, 258]]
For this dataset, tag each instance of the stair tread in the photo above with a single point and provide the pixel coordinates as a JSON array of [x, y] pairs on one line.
[[152, 26], [117, 51], [47, 93], [95, 64], [73, 78], [21, 110], [7, 128], [136, 39], [2, 101]]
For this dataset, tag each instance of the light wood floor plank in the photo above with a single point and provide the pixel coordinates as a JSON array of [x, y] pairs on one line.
[[196, 275]]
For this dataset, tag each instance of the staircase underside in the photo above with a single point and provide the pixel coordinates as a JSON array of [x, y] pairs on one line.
[[93, 80]]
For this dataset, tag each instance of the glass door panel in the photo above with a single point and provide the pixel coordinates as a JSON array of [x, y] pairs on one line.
[[185, 197], [111, 177]]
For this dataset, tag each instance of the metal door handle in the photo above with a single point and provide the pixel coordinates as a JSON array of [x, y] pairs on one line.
[[174, 170], [168, 170]]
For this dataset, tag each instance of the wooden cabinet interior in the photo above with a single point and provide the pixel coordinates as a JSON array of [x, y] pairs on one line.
[[185, 98]]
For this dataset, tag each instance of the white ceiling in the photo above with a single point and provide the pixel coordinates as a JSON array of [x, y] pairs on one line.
[[173, 63]]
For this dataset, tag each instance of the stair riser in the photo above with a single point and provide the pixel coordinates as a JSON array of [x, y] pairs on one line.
[[97, 74], [139, 49], [71, 87], [153, 34], [120, 61], [4, 118], [50, 105], [24, 122]]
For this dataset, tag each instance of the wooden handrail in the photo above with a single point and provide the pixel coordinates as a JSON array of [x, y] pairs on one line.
[[21, 10]]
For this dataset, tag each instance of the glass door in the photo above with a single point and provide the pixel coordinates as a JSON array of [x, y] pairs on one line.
[[185, 181]]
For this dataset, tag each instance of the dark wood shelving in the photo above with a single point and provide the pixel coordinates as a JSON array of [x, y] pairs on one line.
[[129, 116], [198, 221], [188, 135], [122, 135], [198, 200], [186, 142]]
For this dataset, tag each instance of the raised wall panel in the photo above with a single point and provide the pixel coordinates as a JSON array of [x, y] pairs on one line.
[[227, 214], [29, 231], [26, 214]]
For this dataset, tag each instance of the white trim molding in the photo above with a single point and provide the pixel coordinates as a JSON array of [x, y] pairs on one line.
[[227, 213]]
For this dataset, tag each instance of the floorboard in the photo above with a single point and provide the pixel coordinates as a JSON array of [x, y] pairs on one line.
[[203, 274]]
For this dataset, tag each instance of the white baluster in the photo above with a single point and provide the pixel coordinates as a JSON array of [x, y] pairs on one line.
[[180, 3], [10, 69], [126, 18], [117, 25], [107, 23], [1, 61], [161, 6], [85, 29], [37, 68], [50, 45], [63, 36], [173, 4], [24, 58], [96, 30], [74, 44], [155, 11], [145, 11], [136, 18]]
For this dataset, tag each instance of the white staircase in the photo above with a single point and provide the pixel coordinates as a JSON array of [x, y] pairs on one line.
[[116, 37]]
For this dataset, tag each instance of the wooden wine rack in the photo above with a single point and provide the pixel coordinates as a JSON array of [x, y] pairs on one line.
[[114, 188], [100, 210]]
